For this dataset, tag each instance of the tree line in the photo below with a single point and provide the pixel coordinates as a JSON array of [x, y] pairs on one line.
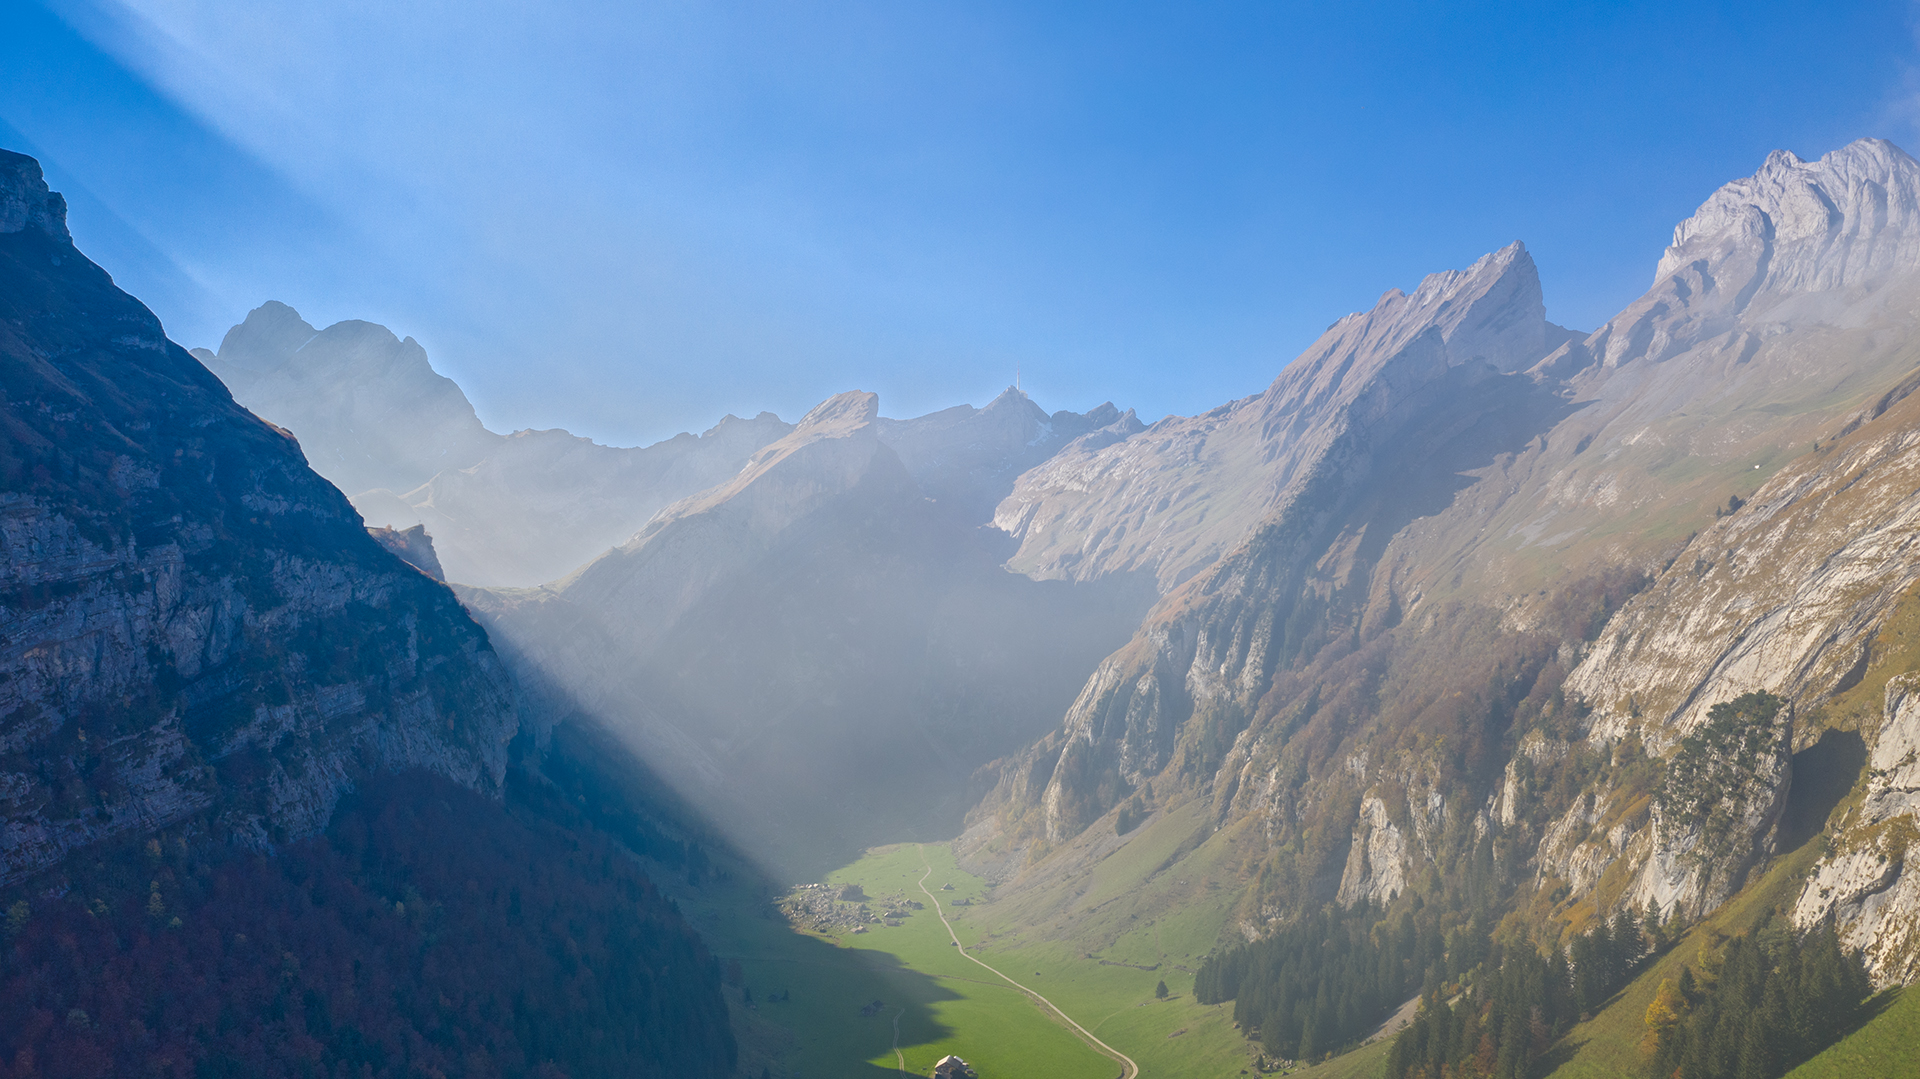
[[429, 931], [1764, 1001], [1325, 981], [1519, 1001]]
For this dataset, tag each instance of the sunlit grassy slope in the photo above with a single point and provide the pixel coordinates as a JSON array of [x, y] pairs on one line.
[[1889, 1045]]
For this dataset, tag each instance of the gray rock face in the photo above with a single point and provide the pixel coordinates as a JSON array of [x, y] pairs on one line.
[[1175, 498], [1863, 883], [1783, 288], [193, 621], [414, 547], [1779, 596], [1848, 219], [25, 202], [1378, 861]]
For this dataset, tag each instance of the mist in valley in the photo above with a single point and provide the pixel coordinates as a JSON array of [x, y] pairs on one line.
[[727, 543]]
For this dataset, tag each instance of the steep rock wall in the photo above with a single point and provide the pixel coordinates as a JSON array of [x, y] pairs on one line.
[[193, 620]]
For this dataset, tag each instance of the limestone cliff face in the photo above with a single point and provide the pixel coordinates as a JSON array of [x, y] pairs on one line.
[[1863, 883], [1781, 596], [1742, 354], [193, 621], [1849, 219], [1791, 286]]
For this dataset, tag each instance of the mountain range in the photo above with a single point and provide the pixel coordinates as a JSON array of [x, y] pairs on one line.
[[1468, 620]]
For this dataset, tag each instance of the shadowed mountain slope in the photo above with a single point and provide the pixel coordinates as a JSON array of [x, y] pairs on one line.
[[816, 652], [260, 812], [193, 618]]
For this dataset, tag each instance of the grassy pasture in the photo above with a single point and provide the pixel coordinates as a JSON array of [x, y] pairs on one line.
[[946, 1004], [1888, 1045]]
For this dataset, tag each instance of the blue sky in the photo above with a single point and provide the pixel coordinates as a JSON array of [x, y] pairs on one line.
[[630, 218]]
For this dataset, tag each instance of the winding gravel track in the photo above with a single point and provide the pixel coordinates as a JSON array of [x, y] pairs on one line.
[[1128, 1069]]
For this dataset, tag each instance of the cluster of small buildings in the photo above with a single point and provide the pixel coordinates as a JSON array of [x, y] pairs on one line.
[[825, 908]]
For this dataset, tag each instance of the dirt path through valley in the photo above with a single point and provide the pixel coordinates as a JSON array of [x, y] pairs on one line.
[[1128, 1069]]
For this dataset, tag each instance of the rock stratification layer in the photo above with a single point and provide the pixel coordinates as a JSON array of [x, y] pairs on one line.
[[193, 620]]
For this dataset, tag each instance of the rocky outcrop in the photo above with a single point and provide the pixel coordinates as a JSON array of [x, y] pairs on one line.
[[1781, 596], [414, 547], [1378, 861], [26, 205], [194, 623], [1803, 275], [1718, 808], [1862, 883], [1778, 596]]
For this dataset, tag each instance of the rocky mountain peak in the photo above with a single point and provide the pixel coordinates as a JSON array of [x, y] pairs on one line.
[[368, 408], [841, 414], [1491, 310], [1846, 219], [1014, 399], [25, 201], [269, 337]]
